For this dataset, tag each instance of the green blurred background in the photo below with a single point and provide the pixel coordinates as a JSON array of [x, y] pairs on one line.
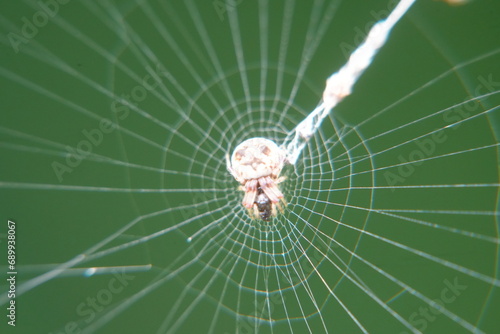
[[60, 79]]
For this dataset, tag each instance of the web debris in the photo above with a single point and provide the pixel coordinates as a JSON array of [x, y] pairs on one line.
[[339, 85]]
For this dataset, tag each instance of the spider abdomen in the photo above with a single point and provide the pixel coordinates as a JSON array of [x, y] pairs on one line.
[[264, 205]]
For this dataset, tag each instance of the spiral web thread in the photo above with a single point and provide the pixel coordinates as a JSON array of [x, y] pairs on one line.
[[352, 252]]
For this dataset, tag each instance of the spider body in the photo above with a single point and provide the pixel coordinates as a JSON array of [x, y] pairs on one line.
[[256, 164], [263, 207]]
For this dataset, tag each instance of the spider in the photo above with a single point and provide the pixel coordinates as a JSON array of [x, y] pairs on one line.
[[256, 164]]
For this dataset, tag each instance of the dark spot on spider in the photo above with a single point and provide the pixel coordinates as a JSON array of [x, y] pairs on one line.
[[239, 154], [264, 205], [265, 149]]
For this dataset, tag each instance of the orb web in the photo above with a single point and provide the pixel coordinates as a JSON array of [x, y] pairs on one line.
[[391, 205]]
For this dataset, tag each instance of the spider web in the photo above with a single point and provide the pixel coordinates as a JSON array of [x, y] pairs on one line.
[[392, 216]]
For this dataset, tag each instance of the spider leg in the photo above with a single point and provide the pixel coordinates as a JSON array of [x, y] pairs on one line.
[[279, 206], [280, 179], [270, 189], [250, 193], [274, 212], [254, 212]]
